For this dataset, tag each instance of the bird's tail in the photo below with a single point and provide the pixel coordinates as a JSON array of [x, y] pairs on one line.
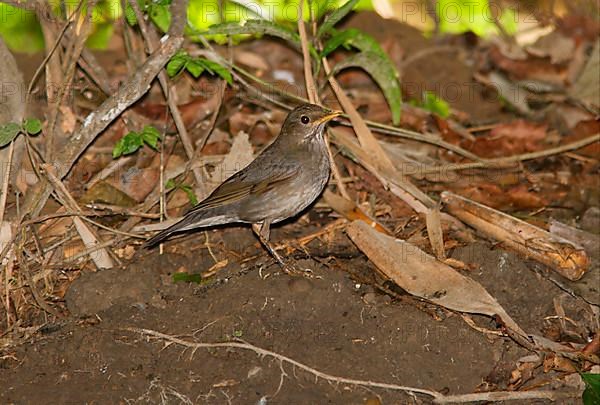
[[195, 219]]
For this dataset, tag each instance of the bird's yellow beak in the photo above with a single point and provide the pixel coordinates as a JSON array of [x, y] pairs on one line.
[[329, 117]]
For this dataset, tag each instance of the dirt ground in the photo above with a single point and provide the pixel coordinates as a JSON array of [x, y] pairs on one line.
[[332, 323], [338, 322]]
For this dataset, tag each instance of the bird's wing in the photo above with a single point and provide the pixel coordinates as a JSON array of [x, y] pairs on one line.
[[238, 187]]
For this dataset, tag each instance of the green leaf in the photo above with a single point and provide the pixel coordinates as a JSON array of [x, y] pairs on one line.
[[170, 184], [129, 144], [150, 136], [591, 395], [187, 278], [161, 16], [256, 27], [8, 132], [33, 126], [383, 72], [431, 102], [20, 29], [352, 38], [335, 17], [101, 36], [195, 67], [177, 63], [190, 194], [218, 69], [130, 14]]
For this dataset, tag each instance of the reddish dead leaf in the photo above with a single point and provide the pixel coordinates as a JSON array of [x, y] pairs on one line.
[[579, 27], [509, 139], [514, 198], [251, 59], [487, 193], [137, 183], [534, 68], [520, 197], [582, 130], [216, 148]]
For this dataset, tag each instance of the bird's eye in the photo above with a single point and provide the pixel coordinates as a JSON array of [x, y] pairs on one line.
[[304, 119]]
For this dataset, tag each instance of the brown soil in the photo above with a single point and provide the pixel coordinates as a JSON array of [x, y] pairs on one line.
[[334, 324]]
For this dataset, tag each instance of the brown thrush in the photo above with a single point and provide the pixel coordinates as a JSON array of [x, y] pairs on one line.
[[281, 182]]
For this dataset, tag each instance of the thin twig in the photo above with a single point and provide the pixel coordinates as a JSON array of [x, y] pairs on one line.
[[311, 89], [5, 181]]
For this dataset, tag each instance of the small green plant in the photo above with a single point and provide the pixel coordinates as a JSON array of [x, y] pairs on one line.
[[10, 130], [196, 66], [591, 395], [187, 278], [158, 11], [133, 141], [185, 188], [434, 104]]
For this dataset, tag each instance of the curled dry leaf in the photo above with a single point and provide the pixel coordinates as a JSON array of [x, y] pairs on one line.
[[562, 255], [422, 275]]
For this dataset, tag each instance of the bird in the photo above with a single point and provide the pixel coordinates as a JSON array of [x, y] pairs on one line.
[[281, 182]]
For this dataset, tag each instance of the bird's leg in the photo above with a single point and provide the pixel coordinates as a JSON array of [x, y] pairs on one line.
[[263, 232]]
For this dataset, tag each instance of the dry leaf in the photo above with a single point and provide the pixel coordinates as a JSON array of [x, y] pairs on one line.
[[239, 156], [422, 275]]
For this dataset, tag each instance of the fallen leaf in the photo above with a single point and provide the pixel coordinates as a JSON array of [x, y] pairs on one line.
[[509, 139], [587, 86], [422, 275], [558, 47], [239, 156]]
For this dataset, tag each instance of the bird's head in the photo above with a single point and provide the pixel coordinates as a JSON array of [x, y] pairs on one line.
[[306, 123]]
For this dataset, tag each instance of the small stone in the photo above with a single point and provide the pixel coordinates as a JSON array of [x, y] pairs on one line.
[[254, 371], [370, 298]]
